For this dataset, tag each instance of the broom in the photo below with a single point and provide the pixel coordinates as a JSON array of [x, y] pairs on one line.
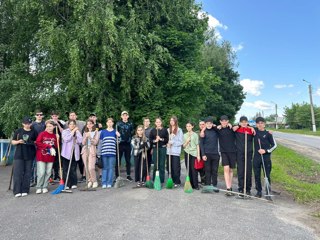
[[12, 169], [61, 183], [62, 186], [149, 184], [119, 181], [157, 182], [169, 181], [187, 185], [7, 154], [266, 180]]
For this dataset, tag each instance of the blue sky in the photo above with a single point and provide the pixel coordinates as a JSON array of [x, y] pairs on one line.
[[277, 44]]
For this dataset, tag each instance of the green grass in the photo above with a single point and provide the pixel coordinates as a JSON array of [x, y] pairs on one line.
[[299, 131], [297, 174]]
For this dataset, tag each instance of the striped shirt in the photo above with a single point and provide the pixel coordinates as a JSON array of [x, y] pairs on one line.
[[108, 139]]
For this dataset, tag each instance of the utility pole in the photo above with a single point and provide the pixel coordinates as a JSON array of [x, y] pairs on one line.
[[314, 129], [276, 117]]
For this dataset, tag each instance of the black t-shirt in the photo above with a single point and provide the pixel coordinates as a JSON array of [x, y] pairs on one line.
[[227, 140], [25, 151]]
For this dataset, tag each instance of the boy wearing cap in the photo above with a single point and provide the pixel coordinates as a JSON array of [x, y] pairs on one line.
[[268, 145], [228, 150], [210, 153], [25, 153], [241, 131], [126, 130]]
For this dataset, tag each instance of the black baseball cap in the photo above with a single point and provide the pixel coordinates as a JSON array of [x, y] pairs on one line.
[[243, 118], [209, 119], [27, 120], [224, 117], [260, 119], [92, 114]]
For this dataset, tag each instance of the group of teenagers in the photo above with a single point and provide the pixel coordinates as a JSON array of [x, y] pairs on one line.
[[85, 144]]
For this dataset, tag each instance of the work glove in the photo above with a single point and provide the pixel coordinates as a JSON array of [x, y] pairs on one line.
[[52, 152]]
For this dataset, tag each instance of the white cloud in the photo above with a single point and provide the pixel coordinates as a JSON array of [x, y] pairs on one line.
[[318, 92], [280, 86], [252, 87], [261, 105], [238, 48], [213, 23]]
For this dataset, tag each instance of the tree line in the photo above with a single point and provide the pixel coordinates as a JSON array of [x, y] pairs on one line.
[[154, 58]]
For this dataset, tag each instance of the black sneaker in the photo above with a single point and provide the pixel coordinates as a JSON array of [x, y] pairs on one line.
[[33, 184], [56, 179], [228, 193], [258, 194], [215, 189], [176, 186], [269, 198], [129, 178], [248, 193], [82, 179], [240, 195]]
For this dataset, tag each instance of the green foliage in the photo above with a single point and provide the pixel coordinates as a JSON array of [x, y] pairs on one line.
[[105, 56], [298, 174], [298, 116]]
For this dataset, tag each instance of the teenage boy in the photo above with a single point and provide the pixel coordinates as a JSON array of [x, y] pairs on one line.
[[94, 118], [60, 126], [228, 150], [210, 153], [241, 131], [268, 145], [38, 126], [126, 130], [147, 130]]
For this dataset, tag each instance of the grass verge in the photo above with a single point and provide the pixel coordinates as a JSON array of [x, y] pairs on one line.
[[297, 174], [300, 131]]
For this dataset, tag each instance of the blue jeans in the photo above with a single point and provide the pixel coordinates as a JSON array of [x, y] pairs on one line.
[[108, 169]]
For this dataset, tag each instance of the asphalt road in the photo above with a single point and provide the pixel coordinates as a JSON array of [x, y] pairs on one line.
[[128, 213], [303, 144], [304, 140]]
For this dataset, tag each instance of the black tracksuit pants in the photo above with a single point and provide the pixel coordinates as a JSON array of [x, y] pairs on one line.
[[21, 175], [193, 173], [81, 164], [137, 168], [211, 169], [257, 165], [124, 148], [241, 168], [175, 168]]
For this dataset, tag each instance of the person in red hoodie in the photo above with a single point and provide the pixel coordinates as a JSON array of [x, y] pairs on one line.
[[46, 144]]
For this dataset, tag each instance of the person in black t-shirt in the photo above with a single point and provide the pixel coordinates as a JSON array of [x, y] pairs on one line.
[[227, 144], [24, 155]]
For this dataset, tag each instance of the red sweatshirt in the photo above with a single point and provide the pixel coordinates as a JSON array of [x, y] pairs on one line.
[[44, 142]]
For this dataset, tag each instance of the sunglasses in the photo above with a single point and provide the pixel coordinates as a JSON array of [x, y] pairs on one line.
[[39, 114]]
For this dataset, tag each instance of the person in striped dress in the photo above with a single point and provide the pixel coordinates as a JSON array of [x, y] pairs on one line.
[[108, 138]]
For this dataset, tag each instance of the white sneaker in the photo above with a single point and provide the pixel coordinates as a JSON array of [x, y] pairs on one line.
[[109, 186], [45, 190], [74, 187], [67, 188], [24, 194], [104, 186], [39, 191], [95, 185], [89, 184], [17, 195]]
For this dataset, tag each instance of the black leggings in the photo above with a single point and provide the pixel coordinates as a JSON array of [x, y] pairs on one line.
[[72, 180]]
